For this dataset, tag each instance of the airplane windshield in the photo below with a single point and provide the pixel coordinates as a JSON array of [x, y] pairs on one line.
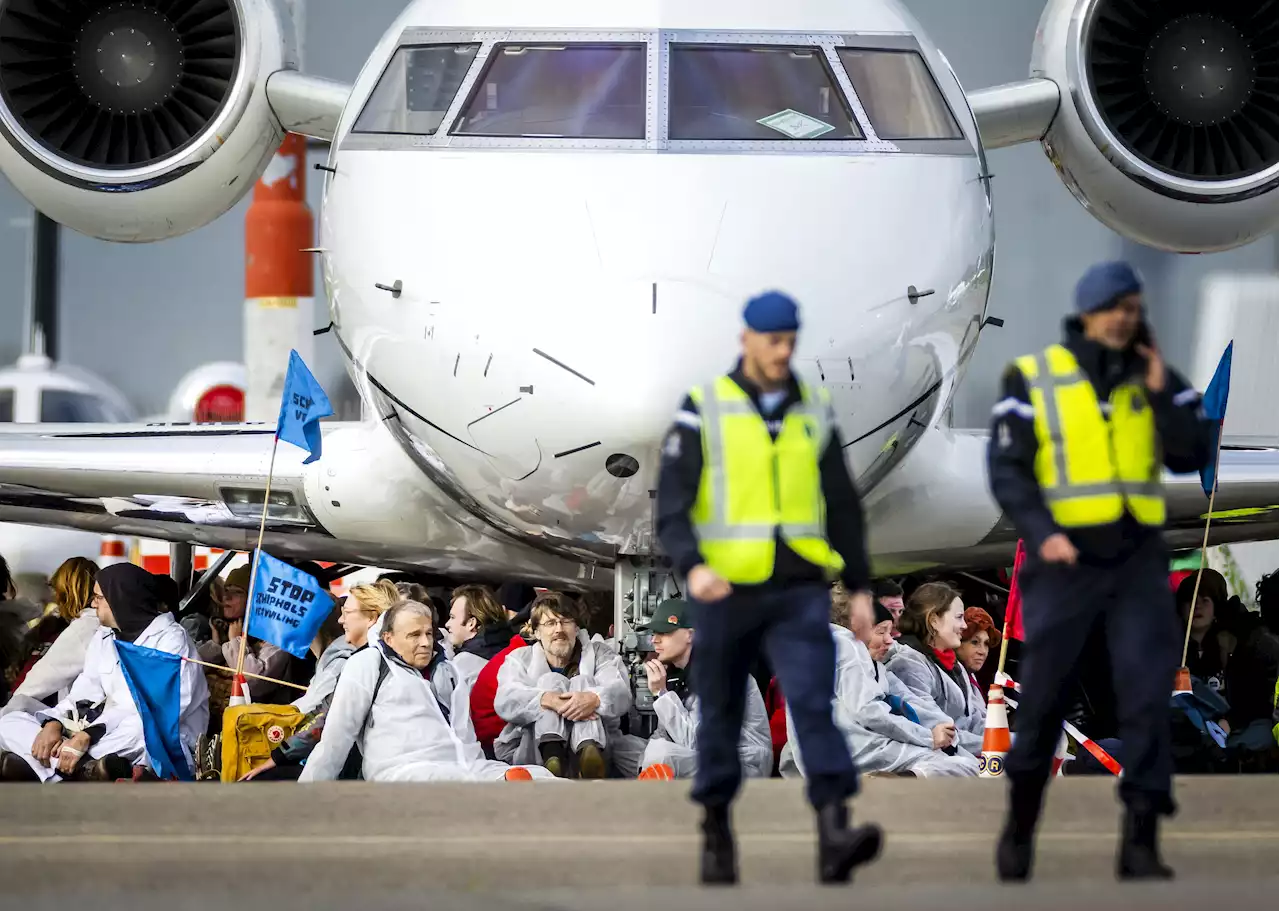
[[899, 95], [63, 406], [721, 91], [570, 91], [416, 89]]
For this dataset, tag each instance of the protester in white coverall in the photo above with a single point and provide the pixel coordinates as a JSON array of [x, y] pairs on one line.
[[478, 630], [57, 669], [563, 697], [674, 743], [925, 660], [884, 730], [96, 732], [407, 728]]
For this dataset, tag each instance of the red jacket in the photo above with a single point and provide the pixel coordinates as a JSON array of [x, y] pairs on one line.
[[483, 717]]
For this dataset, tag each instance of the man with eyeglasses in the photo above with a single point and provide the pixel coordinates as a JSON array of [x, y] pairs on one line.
[[563, 697]]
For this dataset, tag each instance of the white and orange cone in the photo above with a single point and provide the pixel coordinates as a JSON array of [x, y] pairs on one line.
[[995, 736], [1062, 755], [239, 692]]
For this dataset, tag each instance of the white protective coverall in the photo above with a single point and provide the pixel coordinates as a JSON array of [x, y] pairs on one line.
[[58, 668], [404, 735], [526, 675], [675, 742], [936, 690], [102, 681], [879, 740]]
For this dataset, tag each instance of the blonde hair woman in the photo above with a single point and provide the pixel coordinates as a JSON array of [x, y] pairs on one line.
[[61, 662]]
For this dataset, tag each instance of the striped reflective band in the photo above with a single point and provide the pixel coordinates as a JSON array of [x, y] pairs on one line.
[[1047, 383]]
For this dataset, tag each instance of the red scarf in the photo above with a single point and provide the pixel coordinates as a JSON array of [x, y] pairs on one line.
[[947, 659]]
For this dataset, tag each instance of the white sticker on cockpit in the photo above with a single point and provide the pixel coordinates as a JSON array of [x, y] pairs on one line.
[[796, 125]]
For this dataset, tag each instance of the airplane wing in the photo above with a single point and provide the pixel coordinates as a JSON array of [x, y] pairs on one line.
[[935, 510], [363, 502]]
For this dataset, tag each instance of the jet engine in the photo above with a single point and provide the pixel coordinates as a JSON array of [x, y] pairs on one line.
[[137, 120], [1167, 126]]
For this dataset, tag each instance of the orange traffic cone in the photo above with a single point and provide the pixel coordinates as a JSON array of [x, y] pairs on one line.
[[516, 773], [659, 771], [1182, 681], [1062, 755], [995, 737], [239, 692]]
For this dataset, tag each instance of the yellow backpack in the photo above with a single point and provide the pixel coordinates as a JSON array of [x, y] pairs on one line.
[[251, 732]]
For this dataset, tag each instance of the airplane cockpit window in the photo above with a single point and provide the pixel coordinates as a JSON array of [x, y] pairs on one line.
[[65, 406], [416, 89], [741, 92], [563, 91], [899, 94], [6, 405]]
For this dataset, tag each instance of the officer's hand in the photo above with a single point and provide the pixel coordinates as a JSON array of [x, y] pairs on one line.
[[1057, 548], [1155, 377], [657, 672], [944, 735], [706, 585]]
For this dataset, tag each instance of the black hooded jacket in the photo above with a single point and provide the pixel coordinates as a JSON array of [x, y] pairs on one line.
[[488, 642], [135, 597], [1186, 441]]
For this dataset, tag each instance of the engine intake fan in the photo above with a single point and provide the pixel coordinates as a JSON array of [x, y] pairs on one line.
[[1189, 86], [120, 84]]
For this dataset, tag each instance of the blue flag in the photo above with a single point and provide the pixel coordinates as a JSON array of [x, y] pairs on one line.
[[155, 680], [1215, 409], [301, 408], [286, 606]]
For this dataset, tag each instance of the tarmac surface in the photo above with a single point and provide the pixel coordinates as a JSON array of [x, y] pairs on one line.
[[607, 845]]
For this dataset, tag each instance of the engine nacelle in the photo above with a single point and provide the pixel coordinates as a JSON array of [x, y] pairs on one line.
[[1167, 128], [139, 120]]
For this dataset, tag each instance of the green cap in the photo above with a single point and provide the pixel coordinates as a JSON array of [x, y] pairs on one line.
[[671, 615]]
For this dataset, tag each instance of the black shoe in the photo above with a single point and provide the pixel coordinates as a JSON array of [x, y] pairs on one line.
[[555, 757], [719, 856], [591, 763], [14, 768], [1139, 852], [1015, 851], [840, 848]]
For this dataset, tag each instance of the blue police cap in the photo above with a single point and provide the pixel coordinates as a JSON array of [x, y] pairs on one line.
[[1099, 287], [772, 311]]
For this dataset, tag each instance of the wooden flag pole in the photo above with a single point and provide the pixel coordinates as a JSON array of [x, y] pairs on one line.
[[257, 554], [1204, 551], [223, 667]]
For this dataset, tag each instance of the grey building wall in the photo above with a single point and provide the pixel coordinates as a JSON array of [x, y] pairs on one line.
[[141, 316]]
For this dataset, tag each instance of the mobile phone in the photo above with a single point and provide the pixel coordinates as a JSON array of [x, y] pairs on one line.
[[1143, 335]]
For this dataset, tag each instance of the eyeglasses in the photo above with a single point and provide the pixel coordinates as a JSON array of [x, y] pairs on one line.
[[560, 623], [98, 597]]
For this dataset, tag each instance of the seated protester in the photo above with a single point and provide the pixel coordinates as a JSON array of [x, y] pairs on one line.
[[674, 743], [260, 658], [96, 733], [925, 660], [478, 630], [406, 727], [889, 594], [197, 618], [884, 731], [485, 719], [53, 665], [975, 645], [562, 697], [1205, 655]]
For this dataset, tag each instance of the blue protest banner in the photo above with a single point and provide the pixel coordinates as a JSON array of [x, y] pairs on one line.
[[1215, 409], [155, 680], [287, 606], [302, 406]]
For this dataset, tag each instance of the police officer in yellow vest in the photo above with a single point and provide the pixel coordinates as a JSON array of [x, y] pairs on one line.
[[1078, 443], [757, 511]]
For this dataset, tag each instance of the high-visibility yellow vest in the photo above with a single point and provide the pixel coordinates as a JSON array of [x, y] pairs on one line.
[[754, 487], [1092, 463]]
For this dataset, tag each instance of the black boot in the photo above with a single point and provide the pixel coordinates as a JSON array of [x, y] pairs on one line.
[[555, 757], [840, 848], [719, 856], [1016, 849], [1139, 852]]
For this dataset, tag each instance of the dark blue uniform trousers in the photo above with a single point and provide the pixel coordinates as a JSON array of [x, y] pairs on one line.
[[792, 624], [1061, 604]]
